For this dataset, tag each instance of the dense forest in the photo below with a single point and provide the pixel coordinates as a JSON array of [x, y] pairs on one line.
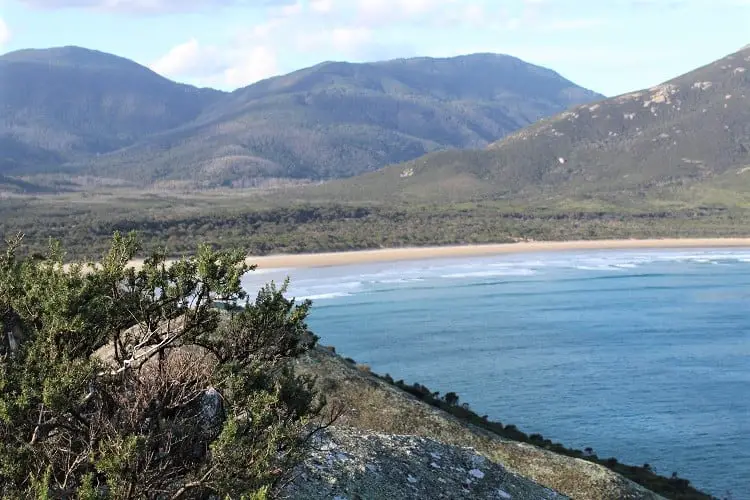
[[86, 227]]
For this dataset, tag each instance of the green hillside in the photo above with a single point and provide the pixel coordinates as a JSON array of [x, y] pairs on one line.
[[65, 103], [687, 137], [89, 113]]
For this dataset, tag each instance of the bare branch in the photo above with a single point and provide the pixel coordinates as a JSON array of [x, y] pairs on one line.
[[195, 484]]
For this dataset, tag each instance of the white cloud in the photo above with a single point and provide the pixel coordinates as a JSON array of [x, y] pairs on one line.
[[354, 30], [151, 7], [572, 24], [291, 9], [222, 67], [322, 6], [344, 39], [5, 34], [250, 66], [183, 59], [376, 13]]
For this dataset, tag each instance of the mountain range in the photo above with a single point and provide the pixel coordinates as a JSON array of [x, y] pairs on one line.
[[685, 137], [75, 111]]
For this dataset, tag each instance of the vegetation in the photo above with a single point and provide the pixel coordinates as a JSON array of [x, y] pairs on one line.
[[331, 120], [67, 102], [673, 487], [141, 368], [648, 164], [382, 405], [689, 131], [121, 384], [263, 225]]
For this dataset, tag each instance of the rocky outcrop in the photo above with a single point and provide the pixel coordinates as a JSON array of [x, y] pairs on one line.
[[388, 444], [378, 407], [350, 464]]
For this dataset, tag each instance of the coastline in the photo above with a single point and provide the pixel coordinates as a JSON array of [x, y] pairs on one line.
[[331, 259], [328, 259]]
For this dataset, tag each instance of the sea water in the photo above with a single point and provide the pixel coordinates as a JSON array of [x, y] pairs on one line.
[[640, 355]]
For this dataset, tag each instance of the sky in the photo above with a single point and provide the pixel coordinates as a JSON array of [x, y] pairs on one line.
[[610, 46]]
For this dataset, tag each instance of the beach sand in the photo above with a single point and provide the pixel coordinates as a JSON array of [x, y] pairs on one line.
[[419, 253], [328, 259]]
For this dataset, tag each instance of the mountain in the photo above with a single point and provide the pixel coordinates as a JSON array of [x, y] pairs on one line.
[[687, 134], [64, 103], [102, 115], [339, 119]]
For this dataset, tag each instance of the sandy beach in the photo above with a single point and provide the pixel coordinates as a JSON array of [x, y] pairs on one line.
[[418, 253], [327, 259]]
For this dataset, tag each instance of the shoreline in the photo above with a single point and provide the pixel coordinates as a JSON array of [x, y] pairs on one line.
[[353, 257], [331, 259]]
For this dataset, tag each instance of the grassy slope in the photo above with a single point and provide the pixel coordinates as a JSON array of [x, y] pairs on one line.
[[380, 404]]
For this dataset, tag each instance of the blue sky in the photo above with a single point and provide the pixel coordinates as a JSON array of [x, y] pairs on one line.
[[611, 46]]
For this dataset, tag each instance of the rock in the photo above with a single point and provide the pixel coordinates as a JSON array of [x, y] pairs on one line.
[[379, 407], [211, 412], [369, 465]]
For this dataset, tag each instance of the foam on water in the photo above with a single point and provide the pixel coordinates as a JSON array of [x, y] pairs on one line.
[[337, 282], [324, 296], [489, 274], [642, 355]]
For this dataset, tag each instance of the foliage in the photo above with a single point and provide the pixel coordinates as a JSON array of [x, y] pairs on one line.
[[122, 383], [239, 220]]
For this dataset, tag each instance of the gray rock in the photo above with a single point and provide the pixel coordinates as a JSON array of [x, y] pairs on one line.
[[212, 411], [349, 464]]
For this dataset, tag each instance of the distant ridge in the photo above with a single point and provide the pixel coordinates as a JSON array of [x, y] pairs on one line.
[[691, 132], [92, 113], [69, 102]]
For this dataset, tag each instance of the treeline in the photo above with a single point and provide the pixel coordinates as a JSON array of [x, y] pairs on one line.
[[85, 230]]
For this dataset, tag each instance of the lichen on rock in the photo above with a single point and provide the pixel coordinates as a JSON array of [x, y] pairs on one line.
[[350, 464]]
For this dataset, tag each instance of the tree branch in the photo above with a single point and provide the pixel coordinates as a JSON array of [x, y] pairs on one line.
[[190, 486]]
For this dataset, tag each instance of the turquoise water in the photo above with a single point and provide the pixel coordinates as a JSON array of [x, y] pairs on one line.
[[641, 355]]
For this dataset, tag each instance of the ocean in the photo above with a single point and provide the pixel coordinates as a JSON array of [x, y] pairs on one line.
[[640, 355]]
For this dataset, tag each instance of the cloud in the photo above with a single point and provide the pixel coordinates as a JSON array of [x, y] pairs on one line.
[[217, 66], [312, 31], [250, 66], [322, 6], [376, 12], [573, 24], [297, 34], [4, 33], [151, 7], [189, 59], [342, 39]]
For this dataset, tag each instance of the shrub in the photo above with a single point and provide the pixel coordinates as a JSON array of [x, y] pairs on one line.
[[451, 398], [124, 383]]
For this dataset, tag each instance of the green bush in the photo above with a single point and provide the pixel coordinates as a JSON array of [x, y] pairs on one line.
[[122, 383]]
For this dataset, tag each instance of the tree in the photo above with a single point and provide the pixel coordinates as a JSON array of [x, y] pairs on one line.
[[122, 383], [451, 398]]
